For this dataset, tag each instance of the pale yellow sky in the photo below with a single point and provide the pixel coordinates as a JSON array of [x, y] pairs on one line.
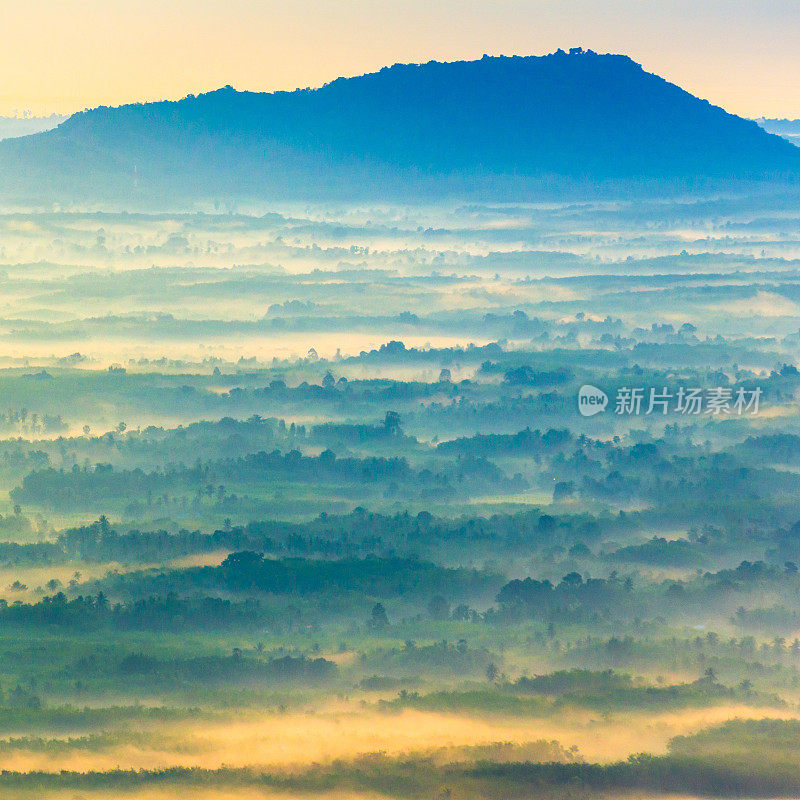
[[65, 55]]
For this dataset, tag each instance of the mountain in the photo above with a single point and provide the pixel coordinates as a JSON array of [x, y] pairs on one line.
[[789, 129], [501, 126], [12, 127]]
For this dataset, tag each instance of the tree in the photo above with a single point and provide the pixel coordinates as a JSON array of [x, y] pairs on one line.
[[392, 423], [492, 672], [563, 490], [438, 607], [378, 618]]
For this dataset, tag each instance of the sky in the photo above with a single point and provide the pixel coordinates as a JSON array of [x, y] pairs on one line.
[[60, 56]]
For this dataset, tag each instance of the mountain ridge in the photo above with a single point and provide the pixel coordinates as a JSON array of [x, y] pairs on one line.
[[506, 124]]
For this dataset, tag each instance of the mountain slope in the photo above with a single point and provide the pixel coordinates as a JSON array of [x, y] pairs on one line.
[[504, 124]]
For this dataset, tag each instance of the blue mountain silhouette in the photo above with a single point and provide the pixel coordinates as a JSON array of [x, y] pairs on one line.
[[506, 125]]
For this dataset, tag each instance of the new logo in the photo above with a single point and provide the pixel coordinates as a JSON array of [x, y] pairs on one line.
[[591, 400]]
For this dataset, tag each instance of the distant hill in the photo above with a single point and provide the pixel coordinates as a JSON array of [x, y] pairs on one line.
[[505, 127], [13, 127], [789, 129]]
